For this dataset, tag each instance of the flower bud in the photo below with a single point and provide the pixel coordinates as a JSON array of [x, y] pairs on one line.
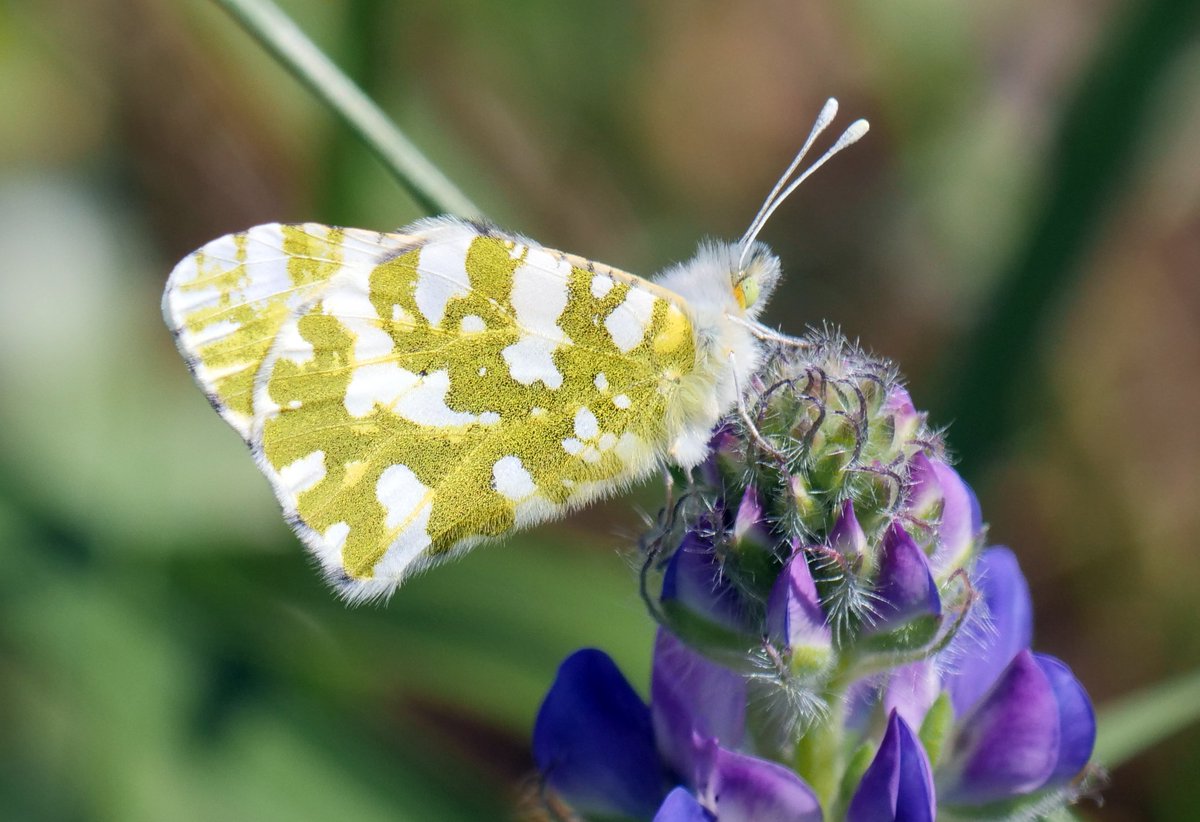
[[938, 493], [700, 601], [750, 529], [795, 620], [906, 420], [898, 785], [906, 592], [847, 536]]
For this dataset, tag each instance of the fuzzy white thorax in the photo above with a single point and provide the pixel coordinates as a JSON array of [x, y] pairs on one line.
[[727, 353]]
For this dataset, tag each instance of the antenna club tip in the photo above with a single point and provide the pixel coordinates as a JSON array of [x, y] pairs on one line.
[[828, 112]]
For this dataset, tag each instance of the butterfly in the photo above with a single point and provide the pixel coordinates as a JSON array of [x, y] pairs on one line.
[[411, 394]]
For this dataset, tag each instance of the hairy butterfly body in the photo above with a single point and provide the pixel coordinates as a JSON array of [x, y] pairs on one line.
[[411, 394]]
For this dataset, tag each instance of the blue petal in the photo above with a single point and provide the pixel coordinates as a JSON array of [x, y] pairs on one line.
[[912, 690], [847, 536], [1008, 745], [695, 582], [1076, 718], [794, 615], [747, 789], [936, 489], [999, 626], [693, 699], [905, 585], [681, 806], [898, 785], [961, 520], [594, 743]]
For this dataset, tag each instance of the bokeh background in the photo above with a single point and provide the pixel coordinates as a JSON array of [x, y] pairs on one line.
[[1020, 230]]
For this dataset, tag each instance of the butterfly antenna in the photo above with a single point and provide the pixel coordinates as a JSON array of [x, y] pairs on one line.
[[848, 138]]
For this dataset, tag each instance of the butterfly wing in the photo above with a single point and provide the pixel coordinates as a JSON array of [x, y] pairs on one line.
[[440, 386], [226, 303]]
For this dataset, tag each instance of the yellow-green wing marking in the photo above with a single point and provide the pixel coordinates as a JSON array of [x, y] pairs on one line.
[[226, 303], [468, 384]]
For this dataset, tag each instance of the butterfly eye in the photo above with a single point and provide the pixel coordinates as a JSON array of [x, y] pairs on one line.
[[747, 291]]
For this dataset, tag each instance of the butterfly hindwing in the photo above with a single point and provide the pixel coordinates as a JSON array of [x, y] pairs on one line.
[[439, 386]]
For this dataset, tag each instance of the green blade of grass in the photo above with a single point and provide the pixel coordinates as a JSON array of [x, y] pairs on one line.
[[1139, 721], [432, 190]]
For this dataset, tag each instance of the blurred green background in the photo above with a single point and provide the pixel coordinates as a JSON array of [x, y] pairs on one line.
[[1020, 230]]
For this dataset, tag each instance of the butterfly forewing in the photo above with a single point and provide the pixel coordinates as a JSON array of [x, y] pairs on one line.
[[415, 393], [226, 303]]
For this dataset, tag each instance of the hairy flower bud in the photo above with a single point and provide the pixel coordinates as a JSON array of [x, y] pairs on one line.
[[833, 644]]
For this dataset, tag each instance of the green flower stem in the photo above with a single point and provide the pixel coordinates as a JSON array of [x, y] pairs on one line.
[[431, 189], [820, 757]]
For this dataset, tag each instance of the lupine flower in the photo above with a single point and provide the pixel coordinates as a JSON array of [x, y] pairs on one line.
[[834, 644], [607, 753]]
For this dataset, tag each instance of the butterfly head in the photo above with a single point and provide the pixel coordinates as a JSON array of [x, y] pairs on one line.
[[756, 269], [754, 278]]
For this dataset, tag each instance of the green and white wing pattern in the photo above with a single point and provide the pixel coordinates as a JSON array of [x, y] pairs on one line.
[[411, 394]]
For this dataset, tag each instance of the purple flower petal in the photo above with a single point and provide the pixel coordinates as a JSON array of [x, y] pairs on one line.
[[898, 785], [739, 788], [934, 484], [794, 616], [904, 585], [692, 698], [912, 690], [924, 491], [1008, 745], [847, 536], [681, 806], [961, 520], [1077, 720], [999, 626], [593, 740], [750, 524], [695, 583], [905, 417]]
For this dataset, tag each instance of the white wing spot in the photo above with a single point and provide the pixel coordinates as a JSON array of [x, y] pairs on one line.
[[408, 503], [587, 427], [442, 273], [572, 446], [511, 480], [489, 418], [383, 383], [297, 477], [330, 552], [622, 401], [401, 494], [352, 307], [601, 285], [601, 382], [628, 322], [539, 297], [530, 359], [472, 324], [483, 372], [425, 403]]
